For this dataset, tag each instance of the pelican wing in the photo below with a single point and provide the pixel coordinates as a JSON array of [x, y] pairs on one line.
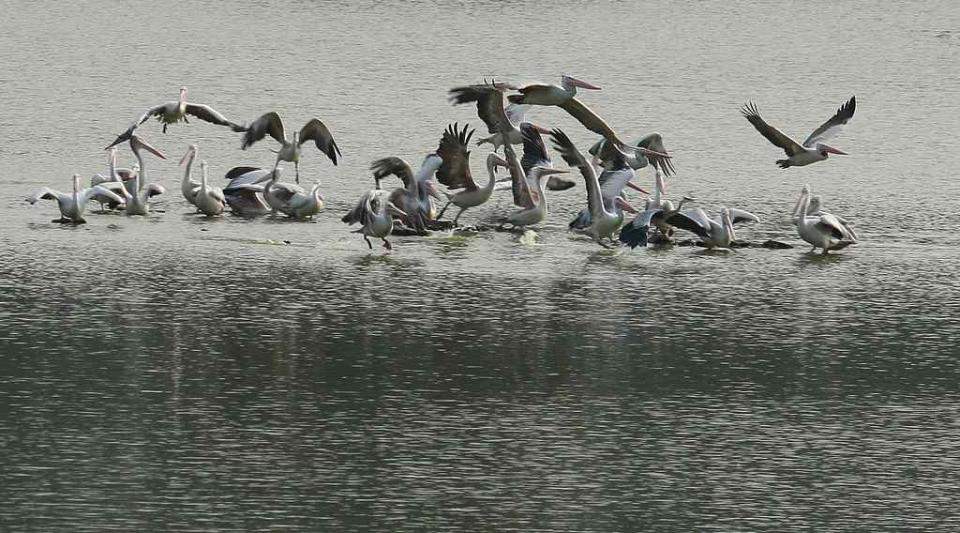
[[236, 172], [155, 110], [455, 170], [590, 120], [634, 233], [739, 215], [516, 113], [831, 127], [152, 189], [268, 123], [392, 166], [612, 183], [45, 193], [775, 136], [574, 158], [693, 220], [316, 131], [829, 224], [489, 99], [217, 194], [358, 215], [534, 150], [523, 195], [209, 114], [102, 192], [654, 141]]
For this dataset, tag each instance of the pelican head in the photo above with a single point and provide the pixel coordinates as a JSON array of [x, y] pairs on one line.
[[76, 182], [623, 204], [136, 143], [727, 223], [826, 149], [494, 160], [569, 82], [192, 151], [183, 94]]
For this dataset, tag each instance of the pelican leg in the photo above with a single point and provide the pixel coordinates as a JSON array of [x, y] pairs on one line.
[[370, 244], [164, 127], [296, 165], [442, 210], [387, 245], [813, 250], [456, 218]]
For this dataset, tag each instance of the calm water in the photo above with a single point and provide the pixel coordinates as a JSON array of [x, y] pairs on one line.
[[172, 373]]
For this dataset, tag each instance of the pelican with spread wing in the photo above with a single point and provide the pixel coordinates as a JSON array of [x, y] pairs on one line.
[[173, 112], [374, 212], [73, 203], [414, 197], [290, 149], [815, 147], [455, 171], [503, 123]]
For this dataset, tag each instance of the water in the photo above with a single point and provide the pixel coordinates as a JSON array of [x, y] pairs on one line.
[[173, 373]]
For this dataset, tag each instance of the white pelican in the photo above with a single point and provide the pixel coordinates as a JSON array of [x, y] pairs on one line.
[[816, 209], [714, 233], [246, 202], [502, 123], [290, 149], [126, 176], [72, 204], [287, 198], [173, 112], [612, 181], [528, 191], [455, 173], [136, 201], [637, 160], [546, 94], [603, 221], [814, 148], [209, 200], [822, 231], [414, 197], [375, 212], [189, 186]]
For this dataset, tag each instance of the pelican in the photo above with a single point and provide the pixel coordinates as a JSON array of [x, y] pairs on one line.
[[637, 160], [528, 191], [816, 209], [814, 148], [290, 149], [189, 186], [714, 233], [535, 155], [603, 220], [502, 123], [291, 200], [611, 182], [126, 176], [414, 198], [72, 204], [137, 199], [545, 94], [209, 200], [455, 173], [822, 231], [657, 212], [173, 112], [246, 202], [375, 212]]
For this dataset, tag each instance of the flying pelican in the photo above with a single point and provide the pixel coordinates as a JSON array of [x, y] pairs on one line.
[[657, 213], [528, 191], [173, 112], [209, 200], [603, 221], [246, 202], [375, 212], [287, 198], [714, 233], [636, 160], [189, 187], [612, 182], [535, 155], [137, 199], [822, 231], [455, 173], [814, 148], [72, 204], [546, 94], [290, 149], [502, 123], [414, 198]]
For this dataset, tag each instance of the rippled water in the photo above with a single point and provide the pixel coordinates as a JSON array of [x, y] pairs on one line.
[[173, 373]]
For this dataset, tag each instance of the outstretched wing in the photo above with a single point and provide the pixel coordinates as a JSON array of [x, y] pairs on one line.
[[739, 215], [775, 136], [574, 158], [534, 150], [153, 189], [489, 99], [590, 120], [830, 128], [316, 131], [209, 114], [654, 142], [358, 215], [454, 172], [45, 193], [392, 166], [268, 123], [693, 220]]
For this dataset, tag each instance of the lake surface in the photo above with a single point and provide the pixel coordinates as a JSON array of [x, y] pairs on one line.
[[174, 373]]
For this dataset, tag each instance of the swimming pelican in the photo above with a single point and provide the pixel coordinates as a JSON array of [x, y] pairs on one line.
[[209, 200], [502, 123], [455, 173], [603, 221], [612, 181], [714, 233], [137, 199], [246, 202], [173, 112], [72, 204], [189, 186], [822, 231], [816, 209], [814, 148], [528, 191], [287, 198], [375, 212], [414, 197], [637, 160], [290, 149]]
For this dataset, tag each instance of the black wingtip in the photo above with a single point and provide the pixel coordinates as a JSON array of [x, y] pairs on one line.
[[633, 236]]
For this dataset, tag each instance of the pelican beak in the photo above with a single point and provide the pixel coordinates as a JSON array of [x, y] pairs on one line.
[[549, 171], [395, 211], [192, 150], [637, 188], [649, 152], [143, 144], [832, 150], [623, 204], [540, 129], [432, 190], [582, 84]]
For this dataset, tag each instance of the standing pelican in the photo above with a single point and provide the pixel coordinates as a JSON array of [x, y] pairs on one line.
[[816, 209], [814, 148], [173, 112], [137, 199], [502, 123], [528, 190], [72, 204], [714, 233], [603, 220], [291, 200], [611, 182], [189, 186], [414, 198], [243, 201], [455, 173], [822, 231], [375, 213], [290, 149], [209, 200]]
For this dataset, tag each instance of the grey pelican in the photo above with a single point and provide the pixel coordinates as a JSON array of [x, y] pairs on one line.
[[72, 204], [173, 112], [714, 233], [287, 198], [502, 123], [375, 213], [189, 186], [637, 160], [290, 149], [528, 190], [455, 173], [414, 197], [604, 220], [814, 148], [611, 181], [246, 202], [209, 200], [136, 200], [822, 231]]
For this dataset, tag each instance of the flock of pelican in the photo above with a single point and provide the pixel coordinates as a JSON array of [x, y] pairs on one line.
[[607, 168]]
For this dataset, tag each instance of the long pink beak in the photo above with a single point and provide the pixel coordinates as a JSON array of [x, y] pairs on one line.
[[623, 204], [637, 188], [833, 150], [582, 84]]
